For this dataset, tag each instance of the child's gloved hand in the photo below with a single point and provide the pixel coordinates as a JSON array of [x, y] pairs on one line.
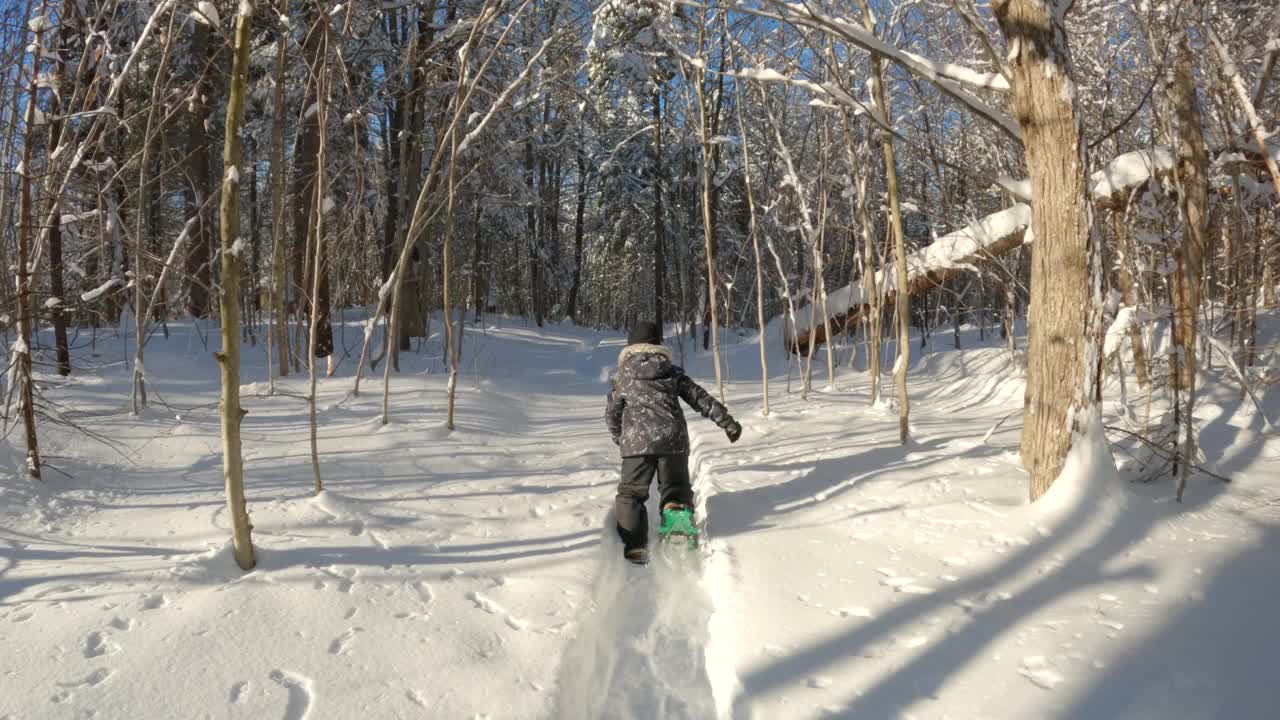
[[733, 430]]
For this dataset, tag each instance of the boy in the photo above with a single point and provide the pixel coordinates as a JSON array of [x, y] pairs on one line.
[[644, 417]]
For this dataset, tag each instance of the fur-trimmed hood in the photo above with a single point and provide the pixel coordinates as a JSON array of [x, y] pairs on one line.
[[641, 348], [643, 411]]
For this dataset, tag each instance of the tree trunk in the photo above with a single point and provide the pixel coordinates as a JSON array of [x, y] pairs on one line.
[[22, 351], [148, 207], [1128, 291], [199, 265], [659, 228], [902, 302], [305, 159], [709, 228], [319, 71], [69, 28], [576, 287], [453, 341], [229, 299], [1193, 185], [279, 234], [477, 253], [1065, 321]]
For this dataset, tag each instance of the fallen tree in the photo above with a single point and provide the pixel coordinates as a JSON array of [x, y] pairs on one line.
[[978, 243]]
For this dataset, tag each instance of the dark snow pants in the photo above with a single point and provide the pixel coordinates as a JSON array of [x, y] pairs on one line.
[[633, 491]]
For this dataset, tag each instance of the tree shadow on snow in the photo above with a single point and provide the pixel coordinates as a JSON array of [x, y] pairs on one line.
[[922, 678]]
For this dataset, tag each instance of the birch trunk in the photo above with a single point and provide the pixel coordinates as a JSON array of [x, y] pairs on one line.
[[708, 228], [22, 361], [229, 297]]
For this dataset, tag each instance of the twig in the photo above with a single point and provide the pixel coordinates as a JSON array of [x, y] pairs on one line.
[[1161, 452]]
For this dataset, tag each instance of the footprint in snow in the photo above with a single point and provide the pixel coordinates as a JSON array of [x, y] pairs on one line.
[[484, 603], [97, 644], [343, 641], [346, 577], [416, 698], [239, 692], [1036, 669], [301, 693], [154, 601], [424, 591], [94, 679], [120, 623], [855, 612]]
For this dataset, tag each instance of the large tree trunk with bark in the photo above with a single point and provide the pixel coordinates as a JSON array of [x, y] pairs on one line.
[[1063, 354], [229, 297]]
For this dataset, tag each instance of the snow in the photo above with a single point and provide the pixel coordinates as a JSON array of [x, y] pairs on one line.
[[233, 174], [206, 14], [959, 250], [98, 292], [1020, 189], [954, 250], [1088, 482], [239, 248], [762, 74], [968, 76], [1131, 170], [475, 574], [1119, 329]]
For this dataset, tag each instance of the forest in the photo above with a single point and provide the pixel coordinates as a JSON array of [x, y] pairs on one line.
[[294, 201]]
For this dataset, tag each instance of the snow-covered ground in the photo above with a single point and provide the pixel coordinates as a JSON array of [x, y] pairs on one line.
[[474, 574]]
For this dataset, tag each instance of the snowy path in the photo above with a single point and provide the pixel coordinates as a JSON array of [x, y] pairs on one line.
[[474, 574]]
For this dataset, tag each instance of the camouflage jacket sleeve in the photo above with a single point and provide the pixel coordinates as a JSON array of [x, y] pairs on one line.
[[700, 400], [613, 414]]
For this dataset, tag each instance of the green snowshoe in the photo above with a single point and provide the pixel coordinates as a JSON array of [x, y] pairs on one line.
[[677, 524]]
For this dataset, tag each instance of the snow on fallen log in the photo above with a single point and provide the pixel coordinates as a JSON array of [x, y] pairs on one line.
[[1130, 171], [981, 241], [929, 267], [99, 291]]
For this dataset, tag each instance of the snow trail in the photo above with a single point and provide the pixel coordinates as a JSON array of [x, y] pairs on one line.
[[653, 642], [640, 650]]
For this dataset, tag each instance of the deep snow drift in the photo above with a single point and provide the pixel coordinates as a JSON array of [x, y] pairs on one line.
[[473, 574]]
